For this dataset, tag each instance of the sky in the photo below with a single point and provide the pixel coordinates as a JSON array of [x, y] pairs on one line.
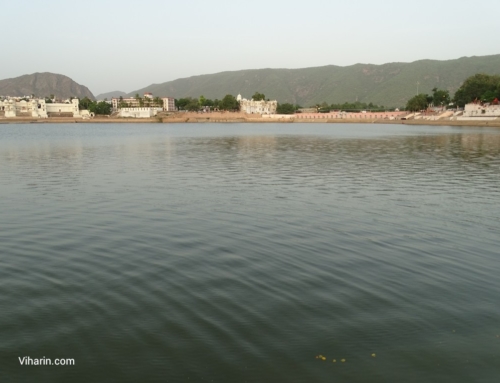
[[125, 45]]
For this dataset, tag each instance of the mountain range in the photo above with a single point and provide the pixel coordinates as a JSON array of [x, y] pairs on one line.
[[43, 85], [390, 84]]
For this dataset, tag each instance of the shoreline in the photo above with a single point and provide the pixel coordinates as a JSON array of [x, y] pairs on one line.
[[242, 119]]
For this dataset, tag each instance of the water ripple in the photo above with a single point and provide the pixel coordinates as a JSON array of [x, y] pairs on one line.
[[238, 253]]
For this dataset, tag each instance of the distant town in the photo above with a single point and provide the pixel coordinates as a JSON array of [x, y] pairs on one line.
[[477, 99]]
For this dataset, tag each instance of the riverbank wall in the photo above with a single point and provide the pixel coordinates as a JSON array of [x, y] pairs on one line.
[[242, 118]]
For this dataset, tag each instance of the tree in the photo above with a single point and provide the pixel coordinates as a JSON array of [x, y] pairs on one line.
[[181, 103], [258, 97], [229, 102], [85, 103], [489, 96], [158, 102], [324, 108], [139, 99], [418, 102], [202, 100], [103, 108], [357, 106], [477, 87], [193, 105], [440, 97], [285, 109]]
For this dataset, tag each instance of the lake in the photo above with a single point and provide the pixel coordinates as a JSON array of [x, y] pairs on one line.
[[248, 252]]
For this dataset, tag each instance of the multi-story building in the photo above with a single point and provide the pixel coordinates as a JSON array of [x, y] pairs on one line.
[[257, 107], [166, 104]]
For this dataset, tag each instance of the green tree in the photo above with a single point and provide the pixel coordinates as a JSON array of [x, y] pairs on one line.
[[85, 103], [229, 102], [139, 99], [258, 96], [477, 87], [418, 102], [324, 108], [489, 96], [440, 97], [158, 102], [182, 103], [193, 105], [102, 108], [202, 100], [285, 109]]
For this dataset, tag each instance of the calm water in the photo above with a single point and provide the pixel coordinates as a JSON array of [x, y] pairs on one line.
[[239, 253]]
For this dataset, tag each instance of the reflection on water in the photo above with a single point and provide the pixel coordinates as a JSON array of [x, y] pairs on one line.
[[240, 252]]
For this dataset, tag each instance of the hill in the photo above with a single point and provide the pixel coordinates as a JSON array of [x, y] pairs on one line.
[[388, 84], [43, 85], [110, 95]]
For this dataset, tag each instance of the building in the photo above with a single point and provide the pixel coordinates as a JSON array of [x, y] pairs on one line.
[[37, 107], [341, 115], [482, 111], [257, 107], [166, 104], [138, 112]]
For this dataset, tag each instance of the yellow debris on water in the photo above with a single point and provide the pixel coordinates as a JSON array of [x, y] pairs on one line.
[[335, 361], [342, 360], [323, 358], [374, 355]]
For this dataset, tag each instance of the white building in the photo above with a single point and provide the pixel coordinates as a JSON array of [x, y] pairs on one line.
[[35, 107], [480, 111], [166, 104], [138, 112], [257, 107]]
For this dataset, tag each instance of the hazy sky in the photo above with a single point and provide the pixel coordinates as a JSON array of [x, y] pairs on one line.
[[125, 45]]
